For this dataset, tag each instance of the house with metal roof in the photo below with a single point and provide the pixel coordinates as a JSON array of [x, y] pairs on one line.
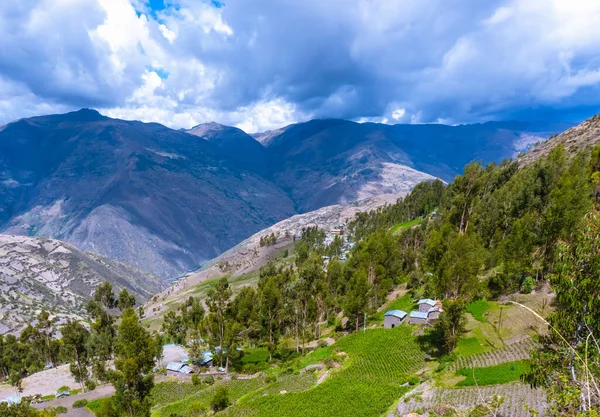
[[426, 304], [418, 317], [206, 359], [393, 318], [179, 367]]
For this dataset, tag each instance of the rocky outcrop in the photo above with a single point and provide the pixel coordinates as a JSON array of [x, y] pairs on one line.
[[44, 274]]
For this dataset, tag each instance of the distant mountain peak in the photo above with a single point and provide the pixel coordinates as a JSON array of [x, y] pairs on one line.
[[84, 115]]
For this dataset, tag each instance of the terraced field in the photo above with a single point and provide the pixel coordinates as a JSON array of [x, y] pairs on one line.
[[518, 398], [378, 364], [515, 352]]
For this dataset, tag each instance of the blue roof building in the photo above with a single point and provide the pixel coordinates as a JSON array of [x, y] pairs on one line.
[[393, 318]]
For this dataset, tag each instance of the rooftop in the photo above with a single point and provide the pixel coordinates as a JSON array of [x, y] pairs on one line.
[[419, 314], [427, 301], [396, 313]]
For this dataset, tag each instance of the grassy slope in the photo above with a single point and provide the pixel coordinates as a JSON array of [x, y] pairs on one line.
[[378, 363], [404, 303], [492, 375], [405, 225]]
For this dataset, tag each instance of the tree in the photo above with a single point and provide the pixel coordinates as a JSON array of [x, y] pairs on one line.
[[175, 327], [104, 295], [451, 325], [75, 341], [271, 305], [135, 354], [220, 400], [126, 300], [357, 298], [567, 363], [217, 300]]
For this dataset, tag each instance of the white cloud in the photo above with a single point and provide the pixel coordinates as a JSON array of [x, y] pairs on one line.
[[261, 64]]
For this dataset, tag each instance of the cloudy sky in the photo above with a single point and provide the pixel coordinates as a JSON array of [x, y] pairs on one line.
[[262, 64]]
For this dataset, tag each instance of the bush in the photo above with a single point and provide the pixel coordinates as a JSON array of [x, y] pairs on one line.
[[60, 410], [80, 403], [209, 380], [270, 378], [197, 409], [528, 285], [413, 380], [220, 400], [64, 388], [196, 380], [90, 385]]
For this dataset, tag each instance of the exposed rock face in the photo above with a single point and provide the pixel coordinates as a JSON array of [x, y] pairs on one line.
[[577, 138], [161, 200], [44, 274], [324, 162], [167, 201]]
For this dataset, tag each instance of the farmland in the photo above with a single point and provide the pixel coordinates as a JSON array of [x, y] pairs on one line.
[[517, 398], [492, 375], [378, 364]]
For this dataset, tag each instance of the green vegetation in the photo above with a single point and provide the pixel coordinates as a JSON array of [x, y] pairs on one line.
[[493, 375], [404, 303], [80, 403], [470, 346], [379, 362], [95, 405], [478, 309], [405, 225]]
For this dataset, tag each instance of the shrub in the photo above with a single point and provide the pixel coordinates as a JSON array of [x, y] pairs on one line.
[[60, 410], [64, 388], [90, 385], [413, 380], [209, 380], [322, 344], [220, 400], [80, 403], [270, 378], [197, 409], [528, 284], [196, 380]]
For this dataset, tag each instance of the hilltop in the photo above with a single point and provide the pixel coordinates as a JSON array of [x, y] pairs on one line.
[[44, 274]]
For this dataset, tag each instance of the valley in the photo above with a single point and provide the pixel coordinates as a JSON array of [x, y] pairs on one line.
[[291, 320]]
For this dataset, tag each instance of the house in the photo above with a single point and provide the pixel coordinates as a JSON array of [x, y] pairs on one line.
[[426, 304], [434, 312], [179, 367], [418, 317], [207, 359], [393, 318]]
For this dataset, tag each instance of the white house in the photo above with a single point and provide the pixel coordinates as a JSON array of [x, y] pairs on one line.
[[393, 318]]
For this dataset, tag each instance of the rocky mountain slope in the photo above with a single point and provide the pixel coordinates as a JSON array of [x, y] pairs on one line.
[[574, 139], [38, 273], [158, 199], [324, 162], [167, 201], [248, 256]]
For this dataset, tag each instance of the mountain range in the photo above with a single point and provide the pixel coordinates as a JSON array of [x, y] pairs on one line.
[[166, 201]]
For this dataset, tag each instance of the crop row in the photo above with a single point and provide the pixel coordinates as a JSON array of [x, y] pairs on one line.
[[515, 352], [518, 399]]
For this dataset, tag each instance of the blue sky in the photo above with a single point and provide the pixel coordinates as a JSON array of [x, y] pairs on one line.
[[262, 64]]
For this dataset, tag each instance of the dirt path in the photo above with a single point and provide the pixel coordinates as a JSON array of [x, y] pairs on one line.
[[100, 392], [44, 383]]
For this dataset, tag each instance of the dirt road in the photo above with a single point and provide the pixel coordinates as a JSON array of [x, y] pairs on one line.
[[100, 392]]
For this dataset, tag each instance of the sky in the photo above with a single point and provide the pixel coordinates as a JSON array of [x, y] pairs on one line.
[[263, 64]]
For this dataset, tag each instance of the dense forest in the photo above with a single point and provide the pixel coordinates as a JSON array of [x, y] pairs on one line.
[[493, 231]]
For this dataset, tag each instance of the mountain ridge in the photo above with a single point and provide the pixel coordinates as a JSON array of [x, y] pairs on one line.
[[167, 201]]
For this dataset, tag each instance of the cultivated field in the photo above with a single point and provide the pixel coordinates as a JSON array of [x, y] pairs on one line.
[[518, 398]]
